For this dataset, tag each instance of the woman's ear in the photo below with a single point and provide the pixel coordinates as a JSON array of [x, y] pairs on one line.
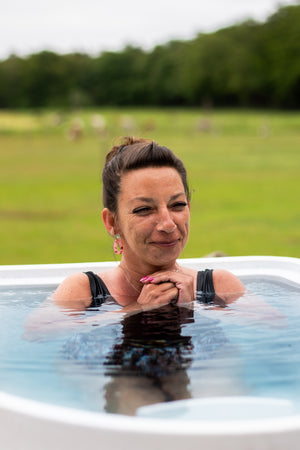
[[109, 221]]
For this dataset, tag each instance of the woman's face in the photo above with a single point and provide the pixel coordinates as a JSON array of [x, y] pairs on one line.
[[153, 217]]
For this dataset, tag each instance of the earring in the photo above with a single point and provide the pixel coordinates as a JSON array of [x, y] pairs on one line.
[[118, 247]]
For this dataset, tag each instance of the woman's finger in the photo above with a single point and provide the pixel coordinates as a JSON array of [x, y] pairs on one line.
[[163, 277], [158, 293]]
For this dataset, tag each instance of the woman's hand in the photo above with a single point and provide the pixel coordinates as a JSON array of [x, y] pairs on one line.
[[183, 282], [157, 294]]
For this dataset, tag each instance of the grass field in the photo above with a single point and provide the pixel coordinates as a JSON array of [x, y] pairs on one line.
[[244, 170]]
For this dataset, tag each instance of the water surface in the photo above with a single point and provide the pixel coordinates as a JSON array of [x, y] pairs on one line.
[[251, 347]]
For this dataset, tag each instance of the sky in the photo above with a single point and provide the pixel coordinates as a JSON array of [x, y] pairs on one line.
[[93, 26]]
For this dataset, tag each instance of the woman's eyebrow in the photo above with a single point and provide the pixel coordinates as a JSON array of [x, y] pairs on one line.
[[142, 199], [174, 197], [150, 200]]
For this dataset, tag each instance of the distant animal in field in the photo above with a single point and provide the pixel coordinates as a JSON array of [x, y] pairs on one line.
[[127, 123], [204, 125], [99, 124], [75, 131]]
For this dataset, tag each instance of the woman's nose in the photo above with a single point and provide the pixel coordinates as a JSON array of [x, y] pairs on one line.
[[165, 222]]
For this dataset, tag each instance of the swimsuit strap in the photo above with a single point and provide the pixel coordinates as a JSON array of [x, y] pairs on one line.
[[205, 286], [99, 290]]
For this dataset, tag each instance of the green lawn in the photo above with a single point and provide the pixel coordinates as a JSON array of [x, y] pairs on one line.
[[244, 170]]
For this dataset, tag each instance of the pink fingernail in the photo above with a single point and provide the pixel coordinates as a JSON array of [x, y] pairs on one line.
[[150, 279], [144, 279]]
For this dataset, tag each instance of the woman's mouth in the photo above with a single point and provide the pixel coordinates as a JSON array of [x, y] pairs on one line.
[[165, 244]]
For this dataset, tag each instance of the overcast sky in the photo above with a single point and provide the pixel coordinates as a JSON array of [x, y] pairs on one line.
[[29, 26]]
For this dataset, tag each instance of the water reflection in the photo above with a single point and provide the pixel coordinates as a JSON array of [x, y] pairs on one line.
[[148, 362], [169, 353]]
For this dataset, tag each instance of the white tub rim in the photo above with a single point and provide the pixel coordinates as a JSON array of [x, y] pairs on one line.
[[53, 274], [119, 423], [269, 266]]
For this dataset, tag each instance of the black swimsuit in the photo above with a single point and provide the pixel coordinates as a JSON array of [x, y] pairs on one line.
[[205, 288]]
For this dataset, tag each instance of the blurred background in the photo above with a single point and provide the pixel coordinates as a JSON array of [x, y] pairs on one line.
[[219, 84]]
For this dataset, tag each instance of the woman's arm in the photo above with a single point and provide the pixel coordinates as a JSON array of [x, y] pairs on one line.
[[64, 310], [242, 303], [227, 286], [229, 291]]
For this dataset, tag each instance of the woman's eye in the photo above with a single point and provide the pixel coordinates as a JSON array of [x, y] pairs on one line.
[[178, 206], [142, 211]]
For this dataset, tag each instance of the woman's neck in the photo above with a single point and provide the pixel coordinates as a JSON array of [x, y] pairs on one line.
[[134, 273], [132, 281]]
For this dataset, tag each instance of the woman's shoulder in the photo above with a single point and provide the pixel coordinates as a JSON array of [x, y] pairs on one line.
[[227, 285], [76, 289]]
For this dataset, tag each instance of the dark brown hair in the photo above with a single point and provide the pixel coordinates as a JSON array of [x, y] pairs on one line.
[[134, 154]]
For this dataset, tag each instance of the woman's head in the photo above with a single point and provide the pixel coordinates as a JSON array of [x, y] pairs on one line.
[[134, 154]]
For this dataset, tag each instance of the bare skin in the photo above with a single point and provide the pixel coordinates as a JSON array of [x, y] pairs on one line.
[[153, 222]]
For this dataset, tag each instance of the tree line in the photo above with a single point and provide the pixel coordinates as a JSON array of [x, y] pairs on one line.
[[251, 64]]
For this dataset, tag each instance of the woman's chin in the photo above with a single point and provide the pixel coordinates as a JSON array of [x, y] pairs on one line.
[[164, 260]]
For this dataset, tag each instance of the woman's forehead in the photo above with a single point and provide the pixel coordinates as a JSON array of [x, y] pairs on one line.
[[150, 173], [151, 179]]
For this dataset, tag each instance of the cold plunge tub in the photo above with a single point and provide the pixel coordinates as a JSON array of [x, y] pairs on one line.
[[236, 422]]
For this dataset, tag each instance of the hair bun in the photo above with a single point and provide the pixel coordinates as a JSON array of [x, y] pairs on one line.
[[125, 141]]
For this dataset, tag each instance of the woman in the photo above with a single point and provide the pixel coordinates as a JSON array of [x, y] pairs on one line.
[[147, 212]]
